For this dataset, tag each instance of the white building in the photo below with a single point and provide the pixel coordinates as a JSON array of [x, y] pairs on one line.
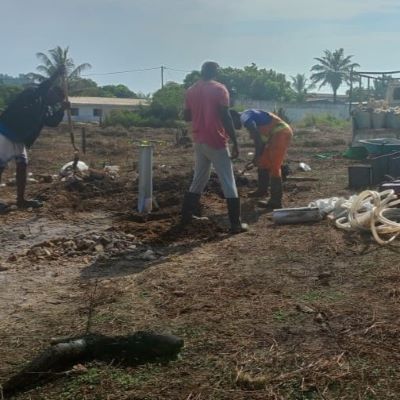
[[94, 109]]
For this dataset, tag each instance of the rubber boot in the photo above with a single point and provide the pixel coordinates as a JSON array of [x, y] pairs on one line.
[[191, 205], [275, 201], [263, 184], [234, 212]]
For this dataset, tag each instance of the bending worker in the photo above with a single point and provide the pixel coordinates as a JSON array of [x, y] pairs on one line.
[[207, 107], [21, 124], [271, 136]]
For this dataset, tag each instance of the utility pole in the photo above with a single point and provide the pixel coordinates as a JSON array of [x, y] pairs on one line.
[[162, 76], [351, 89]]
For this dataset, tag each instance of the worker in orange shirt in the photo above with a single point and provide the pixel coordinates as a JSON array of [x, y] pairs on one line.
[[272, 137]]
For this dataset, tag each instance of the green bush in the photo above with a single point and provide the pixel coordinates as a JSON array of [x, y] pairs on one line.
[[164, 110], [139, 118], [312, 120]]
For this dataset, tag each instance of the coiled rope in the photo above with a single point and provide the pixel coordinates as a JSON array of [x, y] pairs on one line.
[[371, 211]]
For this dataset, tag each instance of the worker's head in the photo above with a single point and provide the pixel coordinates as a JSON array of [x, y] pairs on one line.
[[236, 119], [209, 70], [55, 95]]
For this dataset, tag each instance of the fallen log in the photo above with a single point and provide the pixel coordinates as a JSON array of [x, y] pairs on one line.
[[135, 349]]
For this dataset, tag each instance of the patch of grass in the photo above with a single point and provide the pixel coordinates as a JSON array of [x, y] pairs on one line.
[[319, 295], [326, 119], [118, 378], [144, 295], [280, 316], [103, 318], [189, 331], [324, 142]]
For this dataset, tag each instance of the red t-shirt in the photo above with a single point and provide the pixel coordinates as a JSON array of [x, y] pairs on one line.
[[204, 100]]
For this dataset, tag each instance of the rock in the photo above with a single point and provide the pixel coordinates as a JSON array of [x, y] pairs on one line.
[[69, 245], [132, 247], [99, 248], [111, 245], [104, 240], [45, 178], [84, 244], [37, 251], [47, 252], [305, 309], [319, 318], [149, 255]]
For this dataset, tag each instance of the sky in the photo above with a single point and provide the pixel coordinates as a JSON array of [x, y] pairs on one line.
[[120, 35]]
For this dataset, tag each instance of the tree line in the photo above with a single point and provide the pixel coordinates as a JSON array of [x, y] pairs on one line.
[[332, 69]]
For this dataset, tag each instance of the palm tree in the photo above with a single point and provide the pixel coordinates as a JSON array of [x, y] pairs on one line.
[[300, 86], [57, 57], [333, 69]]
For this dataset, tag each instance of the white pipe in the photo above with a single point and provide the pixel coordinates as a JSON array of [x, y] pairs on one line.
[[145, 198]]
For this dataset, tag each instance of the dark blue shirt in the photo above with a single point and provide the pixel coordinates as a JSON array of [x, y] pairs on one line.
[[258, 117]]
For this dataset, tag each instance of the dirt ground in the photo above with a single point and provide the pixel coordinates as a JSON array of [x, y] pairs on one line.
[[281, 312]]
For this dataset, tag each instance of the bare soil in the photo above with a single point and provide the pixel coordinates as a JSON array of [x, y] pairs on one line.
[[281, 312]]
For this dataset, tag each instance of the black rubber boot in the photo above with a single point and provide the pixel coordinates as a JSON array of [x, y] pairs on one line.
[[234, 212], [275, 202], [191, 205], [263, 184]]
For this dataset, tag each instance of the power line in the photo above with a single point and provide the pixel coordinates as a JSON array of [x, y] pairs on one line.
[[178, 70], [123, 72], [162, 67]]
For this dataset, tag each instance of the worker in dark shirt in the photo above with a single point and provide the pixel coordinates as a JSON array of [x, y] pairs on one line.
[[21, 124]]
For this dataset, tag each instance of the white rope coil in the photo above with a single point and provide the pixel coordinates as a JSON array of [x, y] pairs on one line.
[[371, 211]]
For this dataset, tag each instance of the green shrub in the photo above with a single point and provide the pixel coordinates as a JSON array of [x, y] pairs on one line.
[[129, 119]]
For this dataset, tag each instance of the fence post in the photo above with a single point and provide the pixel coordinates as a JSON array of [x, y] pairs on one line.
[[83, 139]]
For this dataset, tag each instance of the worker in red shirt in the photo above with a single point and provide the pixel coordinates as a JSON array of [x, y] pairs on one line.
[[207, 107], [272, 137]]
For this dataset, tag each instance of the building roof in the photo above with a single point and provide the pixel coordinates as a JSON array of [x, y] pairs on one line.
[[106, 101]]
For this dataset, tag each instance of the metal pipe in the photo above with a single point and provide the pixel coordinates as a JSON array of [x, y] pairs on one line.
[[145, 198]]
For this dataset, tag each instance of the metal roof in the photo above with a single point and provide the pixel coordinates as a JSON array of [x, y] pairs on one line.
[[106, 101]]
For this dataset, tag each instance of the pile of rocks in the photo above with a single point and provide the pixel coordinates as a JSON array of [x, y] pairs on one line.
[[105, 244]]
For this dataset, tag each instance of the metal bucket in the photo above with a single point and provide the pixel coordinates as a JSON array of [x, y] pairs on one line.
[[296, 215], [363, 119], [378, 120], [392, 121]]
